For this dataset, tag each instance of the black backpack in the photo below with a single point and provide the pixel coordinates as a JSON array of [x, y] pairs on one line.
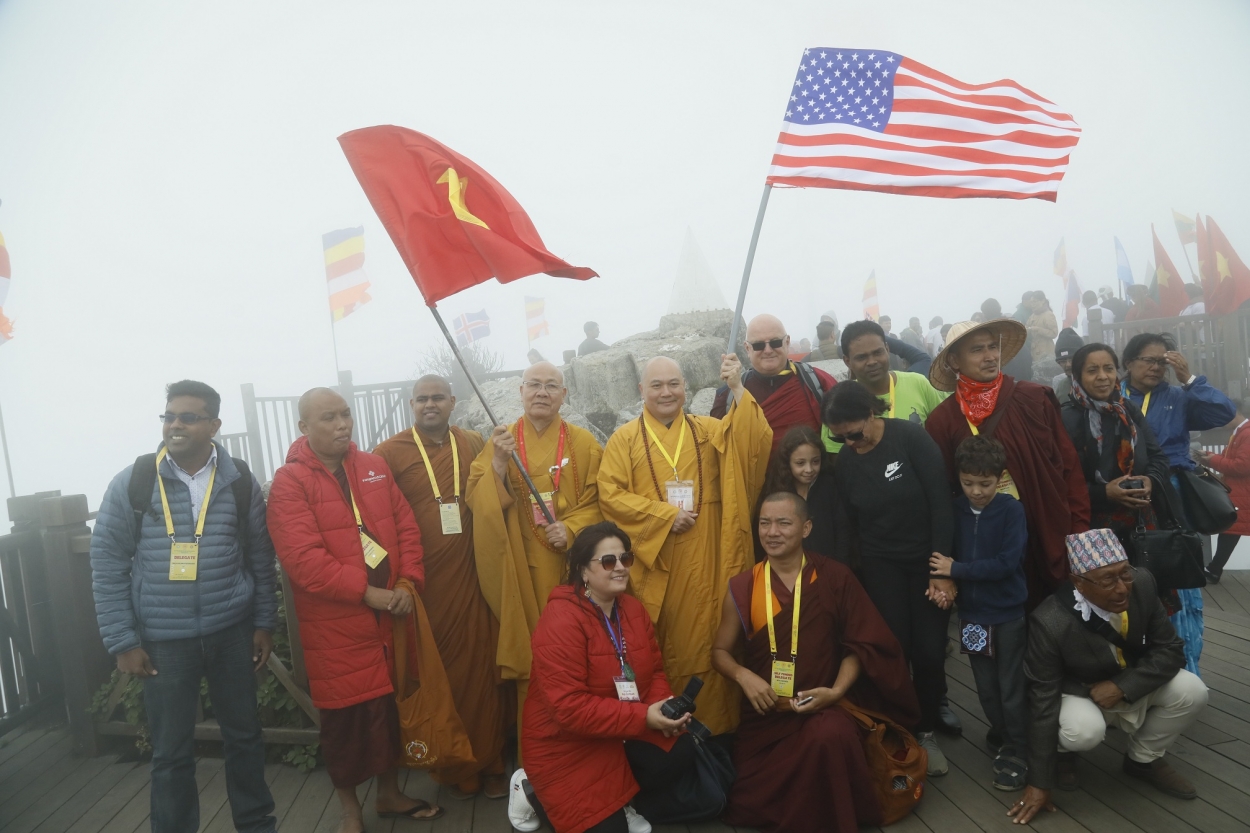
[[143, 481]]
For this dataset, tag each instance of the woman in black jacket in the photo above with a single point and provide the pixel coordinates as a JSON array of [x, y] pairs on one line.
[[1123, 462]]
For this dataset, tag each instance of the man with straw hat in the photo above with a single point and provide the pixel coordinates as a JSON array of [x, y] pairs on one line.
[[1103, 653], [1043, 470]]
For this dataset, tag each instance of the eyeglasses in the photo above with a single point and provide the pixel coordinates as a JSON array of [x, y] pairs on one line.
[[608, 562], [550, 387], [1109, 583], [758, 346], [853, 436], [185, 419], [1151, 361]]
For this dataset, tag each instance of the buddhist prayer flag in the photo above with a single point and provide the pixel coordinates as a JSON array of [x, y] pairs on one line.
[[1172, 295], [470, 327], [454, 225], [346, 281], [6, 272], [1233, 287], [872, 309], [536, 318], [1122, 270], [1071, 299], [871, 120], [1061, 260], [1184, 228]]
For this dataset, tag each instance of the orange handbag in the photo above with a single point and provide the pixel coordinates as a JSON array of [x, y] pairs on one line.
[[897, 762], [430, 730]]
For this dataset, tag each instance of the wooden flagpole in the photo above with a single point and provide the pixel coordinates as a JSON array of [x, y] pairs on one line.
[[746, 271], [516, 458]]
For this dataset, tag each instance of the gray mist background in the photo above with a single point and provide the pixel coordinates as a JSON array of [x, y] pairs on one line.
[[167, 170]]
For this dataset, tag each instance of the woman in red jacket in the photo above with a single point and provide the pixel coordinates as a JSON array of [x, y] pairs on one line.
[[1234, 464], [593, 733], [328, 505]]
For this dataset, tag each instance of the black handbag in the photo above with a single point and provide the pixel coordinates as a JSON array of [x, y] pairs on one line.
[[699, 794], [1172, 554], [1208, 504]]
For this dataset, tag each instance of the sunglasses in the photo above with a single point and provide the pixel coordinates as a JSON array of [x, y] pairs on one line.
[[185, 419], [758, 346], [608, 562], [853, 436]]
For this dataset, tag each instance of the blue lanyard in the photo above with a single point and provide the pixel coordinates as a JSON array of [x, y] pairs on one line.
[[617, 643]]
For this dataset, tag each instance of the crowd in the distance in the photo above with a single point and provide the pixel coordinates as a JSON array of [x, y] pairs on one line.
[[632, 614]]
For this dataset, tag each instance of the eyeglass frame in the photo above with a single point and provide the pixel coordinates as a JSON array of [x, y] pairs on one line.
[[186, 418], [774, 343], [533, 385], [1127, 575], [1152, 361]]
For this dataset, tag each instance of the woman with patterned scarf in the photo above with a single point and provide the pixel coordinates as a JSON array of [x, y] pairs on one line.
[[1118, 451]]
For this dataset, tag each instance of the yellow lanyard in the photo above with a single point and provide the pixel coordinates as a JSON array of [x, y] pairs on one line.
[[681, 439], [169, 520], [1145, 403], [768, 605], [1123, 629], [891, 396], [973, 428], [455, 464]]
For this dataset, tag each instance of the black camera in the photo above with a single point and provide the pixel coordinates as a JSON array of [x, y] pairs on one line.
[[1133, 483], [683, 704]]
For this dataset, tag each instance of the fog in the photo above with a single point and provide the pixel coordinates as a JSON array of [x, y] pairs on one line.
[[167, 171]]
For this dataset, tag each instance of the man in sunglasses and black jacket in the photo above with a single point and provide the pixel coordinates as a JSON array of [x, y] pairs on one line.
[[183, 577]]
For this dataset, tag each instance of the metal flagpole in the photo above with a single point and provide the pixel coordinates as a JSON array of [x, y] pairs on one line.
[[1185, 251], [8, 467], [746, 271], [335, 341], [516, 458]]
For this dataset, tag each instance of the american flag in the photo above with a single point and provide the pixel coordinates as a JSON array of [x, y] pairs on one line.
[[870, 120], [472, 326]]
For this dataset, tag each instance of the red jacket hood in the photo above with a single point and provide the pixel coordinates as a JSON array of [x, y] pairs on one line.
[[301, 452]]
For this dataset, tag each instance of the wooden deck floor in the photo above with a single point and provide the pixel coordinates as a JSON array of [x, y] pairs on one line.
[[44, 789]]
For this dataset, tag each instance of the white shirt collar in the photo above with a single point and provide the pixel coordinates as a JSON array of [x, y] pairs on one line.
[[1084, 606], [212, 461]]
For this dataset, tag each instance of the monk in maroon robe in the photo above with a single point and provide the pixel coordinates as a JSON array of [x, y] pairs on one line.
[[800, 762], [789, 392], [1044, 471]]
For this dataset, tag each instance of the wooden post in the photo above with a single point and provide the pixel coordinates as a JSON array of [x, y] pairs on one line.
[[1095, 325], [85, 664], [255, 450]]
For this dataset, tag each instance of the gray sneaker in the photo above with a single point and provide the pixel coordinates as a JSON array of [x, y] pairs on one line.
[[937, 759]]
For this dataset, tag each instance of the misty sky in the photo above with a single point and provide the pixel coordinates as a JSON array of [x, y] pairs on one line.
[[167, 170]]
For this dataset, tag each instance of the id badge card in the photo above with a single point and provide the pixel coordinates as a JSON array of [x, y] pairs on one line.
[[681, 494], [374, 554], [183, 561], [1007, 486], [449, 516], [550, 500], [783, 678], [626, 690]]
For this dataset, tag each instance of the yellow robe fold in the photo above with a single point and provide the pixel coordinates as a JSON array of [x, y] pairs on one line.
[[682, 579], [516, 566]]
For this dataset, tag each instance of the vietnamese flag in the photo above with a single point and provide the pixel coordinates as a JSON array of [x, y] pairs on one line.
[[1206, 262], [1232, 277], [1172, 295], [454, 225]]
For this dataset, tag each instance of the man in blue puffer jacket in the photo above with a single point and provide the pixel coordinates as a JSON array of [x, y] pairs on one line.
[[185, 589]]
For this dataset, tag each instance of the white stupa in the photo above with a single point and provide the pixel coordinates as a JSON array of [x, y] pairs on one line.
[[695, 288]]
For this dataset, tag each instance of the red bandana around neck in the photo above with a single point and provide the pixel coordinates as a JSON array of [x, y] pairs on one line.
[[977, 399]]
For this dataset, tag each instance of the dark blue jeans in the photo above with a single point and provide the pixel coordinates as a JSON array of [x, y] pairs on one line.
[[1000, 687], [170, 697]]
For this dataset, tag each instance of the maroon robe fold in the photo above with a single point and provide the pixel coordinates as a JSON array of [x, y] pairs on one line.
[[807, 772], [1044, 465], [786, 401]]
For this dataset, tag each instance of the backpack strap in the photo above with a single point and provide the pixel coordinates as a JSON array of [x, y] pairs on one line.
[[807, 374], [242, 489], [139, 490]]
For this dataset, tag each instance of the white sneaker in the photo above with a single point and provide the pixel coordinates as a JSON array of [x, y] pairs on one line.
[[520, 813], [637, 824], [937, 758]]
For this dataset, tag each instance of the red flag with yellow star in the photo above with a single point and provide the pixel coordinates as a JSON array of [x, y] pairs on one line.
[[454, 225], [1172, 295], [1230, 276]]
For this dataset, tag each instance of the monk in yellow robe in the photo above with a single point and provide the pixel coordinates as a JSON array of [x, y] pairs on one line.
[[520, 555], [683, 487], [431, 464]]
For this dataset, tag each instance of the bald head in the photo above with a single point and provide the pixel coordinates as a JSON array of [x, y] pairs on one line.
[[432, 404], [543, 372], [663, 389], [317, 398], [542, 393], [325, 419], [432, 381], [765, 331]]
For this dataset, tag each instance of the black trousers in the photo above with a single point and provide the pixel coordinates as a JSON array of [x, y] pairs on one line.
[[1224, 547], [898, 588]]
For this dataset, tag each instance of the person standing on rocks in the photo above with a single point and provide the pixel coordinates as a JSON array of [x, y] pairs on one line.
[[682, 488], [592, 344], [521, 557], [790, 392]]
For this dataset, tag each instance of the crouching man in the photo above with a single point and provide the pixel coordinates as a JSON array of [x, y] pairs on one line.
[[1102, 652]]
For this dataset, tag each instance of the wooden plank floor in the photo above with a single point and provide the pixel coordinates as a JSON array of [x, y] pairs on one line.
[[44, 789]]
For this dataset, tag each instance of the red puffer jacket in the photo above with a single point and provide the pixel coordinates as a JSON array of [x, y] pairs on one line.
[[573, 723], [1234, 464], [347, 647]]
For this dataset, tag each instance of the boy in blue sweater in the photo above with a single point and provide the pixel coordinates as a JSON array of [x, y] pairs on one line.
[[990, 536]]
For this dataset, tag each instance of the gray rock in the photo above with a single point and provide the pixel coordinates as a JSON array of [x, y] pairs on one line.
[[504, 396], [701, 403], [835, 368]]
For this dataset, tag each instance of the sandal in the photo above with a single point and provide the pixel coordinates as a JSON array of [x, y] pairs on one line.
[[420, 806]]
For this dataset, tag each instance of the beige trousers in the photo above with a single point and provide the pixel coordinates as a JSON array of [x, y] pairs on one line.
[[1152, 723]]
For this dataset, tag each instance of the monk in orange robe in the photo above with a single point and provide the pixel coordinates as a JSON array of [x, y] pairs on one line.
[[520, 555], [431, 464], [683, 488]]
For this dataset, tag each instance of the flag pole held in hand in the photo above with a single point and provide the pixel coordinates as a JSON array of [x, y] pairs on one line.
[[746, 271]]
